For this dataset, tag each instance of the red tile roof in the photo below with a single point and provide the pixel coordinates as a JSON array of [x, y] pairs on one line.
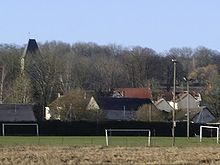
[[135, 92]]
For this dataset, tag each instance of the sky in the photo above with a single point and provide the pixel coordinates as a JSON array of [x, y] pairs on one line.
[[155, 24]]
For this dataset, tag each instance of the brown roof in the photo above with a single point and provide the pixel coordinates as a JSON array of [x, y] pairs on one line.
[[135, 92]]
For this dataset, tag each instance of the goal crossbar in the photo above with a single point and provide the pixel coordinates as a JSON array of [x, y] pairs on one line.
[[127, 130], [211, 127], [21, 124]]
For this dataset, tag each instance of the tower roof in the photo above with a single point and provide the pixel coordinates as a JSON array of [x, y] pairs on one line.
[[31, 48]]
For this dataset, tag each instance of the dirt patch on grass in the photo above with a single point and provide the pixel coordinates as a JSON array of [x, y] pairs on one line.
[[108, 155]]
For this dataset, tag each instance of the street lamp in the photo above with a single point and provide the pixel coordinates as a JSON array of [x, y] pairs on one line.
[[188, 123], [174, 100]]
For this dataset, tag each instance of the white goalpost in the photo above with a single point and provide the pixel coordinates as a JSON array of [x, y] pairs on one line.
[[21, 124], [210, 127], [127, 130]]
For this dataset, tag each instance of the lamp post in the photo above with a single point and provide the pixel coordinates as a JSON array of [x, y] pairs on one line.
[[187, 104], [174, 101]]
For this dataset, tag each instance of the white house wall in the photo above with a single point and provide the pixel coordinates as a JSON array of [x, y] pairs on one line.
[[193, 103], [171, 103], [92, 104], [164, 105], [47, 113]]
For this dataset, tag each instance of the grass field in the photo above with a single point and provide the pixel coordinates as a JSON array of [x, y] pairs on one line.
[[123, 141], [92, 150]]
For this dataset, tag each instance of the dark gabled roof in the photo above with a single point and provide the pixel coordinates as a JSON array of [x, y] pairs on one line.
[[31, 48], [16, 113], [204, 116], [130, 104]]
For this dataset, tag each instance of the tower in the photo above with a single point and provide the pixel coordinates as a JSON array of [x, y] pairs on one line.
[[31, 49]]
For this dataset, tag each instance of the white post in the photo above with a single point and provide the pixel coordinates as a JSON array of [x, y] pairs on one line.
[[217, 134], [200, 134], [106, 137], [3, 130], [149, 135], [188, 117], [37, 130], [174, 100]]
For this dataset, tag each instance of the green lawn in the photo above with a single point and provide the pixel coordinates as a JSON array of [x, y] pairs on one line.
[[100, 140]]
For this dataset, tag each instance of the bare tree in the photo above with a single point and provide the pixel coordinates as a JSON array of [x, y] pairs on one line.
[[43, 73]]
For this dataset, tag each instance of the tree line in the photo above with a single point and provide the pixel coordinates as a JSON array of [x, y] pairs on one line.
[[61, 67]]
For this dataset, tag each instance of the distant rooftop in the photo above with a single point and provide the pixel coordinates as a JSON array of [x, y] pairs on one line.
[[129, 104], [135, 92], [16, 113]]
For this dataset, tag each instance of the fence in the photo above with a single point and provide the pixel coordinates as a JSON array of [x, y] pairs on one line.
[[86, 128]]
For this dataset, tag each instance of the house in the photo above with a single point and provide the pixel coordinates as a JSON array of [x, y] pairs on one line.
[[182, 101], [142, 93], [180, 106], [200, 114], [181, 114], [111, 108], [163, 105], [92, 105], [17, 113], [118, 108], [204, 116], [69, 106]]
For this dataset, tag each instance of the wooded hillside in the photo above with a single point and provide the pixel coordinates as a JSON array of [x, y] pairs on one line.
[[61, 67]]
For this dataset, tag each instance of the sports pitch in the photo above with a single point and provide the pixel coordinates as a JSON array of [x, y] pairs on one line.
[[88, 150], [123, 141]]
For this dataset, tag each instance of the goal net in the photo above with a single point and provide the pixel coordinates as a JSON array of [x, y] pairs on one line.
[[128, 137], [208, 127], [20, 129]]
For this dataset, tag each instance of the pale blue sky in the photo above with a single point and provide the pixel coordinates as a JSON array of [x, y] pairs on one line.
[[156, 24]]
